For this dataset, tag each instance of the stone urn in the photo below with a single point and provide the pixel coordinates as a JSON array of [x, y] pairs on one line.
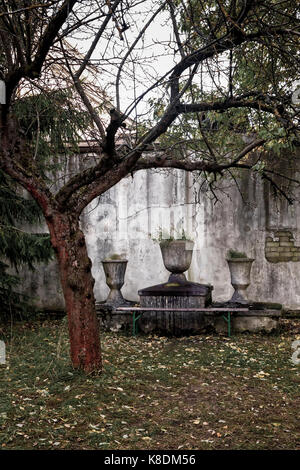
[[240, 269], [114, 270], [177, 257]]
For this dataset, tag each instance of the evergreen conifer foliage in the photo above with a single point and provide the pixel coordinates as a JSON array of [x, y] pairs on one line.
[[51, 125], [18, 247]]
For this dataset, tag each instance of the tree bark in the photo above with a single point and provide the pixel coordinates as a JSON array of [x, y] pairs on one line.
[[68, 242], [77, 282]]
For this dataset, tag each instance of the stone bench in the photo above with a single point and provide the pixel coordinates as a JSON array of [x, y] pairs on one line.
[[137, 312], [248, 318]]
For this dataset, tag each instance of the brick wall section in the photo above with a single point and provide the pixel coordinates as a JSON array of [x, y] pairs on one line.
[[281, 247]]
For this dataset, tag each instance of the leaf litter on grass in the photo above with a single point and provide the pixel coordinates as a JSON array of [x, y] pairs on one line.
[[200, 392]]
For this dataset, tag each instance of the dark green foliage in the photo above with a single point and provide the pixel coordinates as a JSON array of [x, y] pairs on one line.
[[263, 71], [52, 125], [232, 254], [12, 302], [17, 247]]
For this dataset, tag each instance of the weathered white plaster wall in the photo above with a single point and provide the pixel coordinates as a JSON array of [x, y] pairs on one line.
[[124, 219]]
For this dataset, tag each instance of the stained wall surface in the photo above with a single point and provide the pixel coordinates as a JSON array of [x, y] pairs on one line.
[[127, 218]]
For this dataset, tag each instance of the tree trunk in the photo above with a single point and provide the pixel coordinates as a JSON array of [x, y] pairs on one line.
[[77, 282], [74, 264]]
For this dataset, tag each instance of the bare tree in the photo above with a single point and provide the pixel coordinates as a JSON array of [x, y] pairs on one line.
[[204, 84]]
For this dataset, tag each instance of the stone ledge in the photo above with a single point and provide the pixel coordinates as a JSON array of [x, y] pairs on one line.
[[289, 313], [259, 313], [253, 321], [256, 324]]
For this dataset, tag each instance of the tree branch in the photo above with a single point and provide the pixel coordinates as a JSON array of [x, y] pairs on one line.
[[33, 69]]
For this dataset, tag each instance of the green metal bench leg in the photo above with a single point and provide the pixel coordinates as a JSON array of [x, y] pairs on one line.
[[228, 320], [229, 324], [134, 323]]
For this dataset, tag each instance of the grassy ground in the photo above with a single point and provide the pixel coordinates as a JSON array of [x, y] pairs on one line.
[[201, 392]]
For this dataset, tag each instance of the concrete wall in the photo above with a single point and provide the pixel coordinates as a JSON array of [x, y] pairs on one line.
[[126, 218]]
